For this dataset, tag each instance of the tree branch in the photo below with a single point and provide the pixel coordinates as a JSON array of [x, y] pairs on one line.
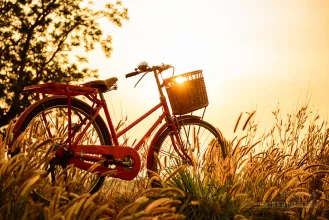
[[60, 44]]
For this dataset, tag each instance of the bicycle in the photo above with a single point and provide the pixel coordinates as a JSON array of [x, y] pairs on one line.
[[82, 138]]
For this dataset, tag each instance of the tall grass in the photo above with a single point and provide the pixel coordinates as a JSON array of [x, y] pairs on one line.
[[285, 170], [279, 174], [21, 175]]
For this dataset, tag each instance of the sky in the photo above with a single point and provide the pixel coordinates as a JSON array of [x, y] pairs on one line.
[[255, 55]]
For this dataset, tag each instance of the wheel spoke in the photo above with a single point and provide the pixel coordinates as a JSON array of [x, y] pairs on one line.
[[172, 155]]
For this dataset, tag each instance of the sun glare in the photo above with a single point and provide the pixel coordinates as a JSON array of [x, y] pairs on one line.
[[180, 79]]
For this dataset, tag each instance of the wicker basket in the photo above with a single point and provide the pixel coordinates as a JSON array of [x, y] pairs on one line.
[[187, 92]]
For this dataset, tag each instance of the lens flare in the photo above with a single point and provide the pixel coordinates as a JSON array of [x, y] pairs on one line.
[[180, 79]]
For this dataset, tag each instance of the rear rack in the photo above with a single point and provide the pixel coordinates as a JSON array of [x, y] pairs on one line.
[[61, 89]]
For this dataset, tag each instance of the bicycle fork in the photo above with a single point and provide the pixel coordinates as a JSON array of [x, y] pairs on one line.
[[180, 148]]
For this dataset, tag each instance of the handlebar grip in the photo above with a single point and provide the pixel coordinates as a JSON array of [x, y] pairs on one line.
[[132, 74]]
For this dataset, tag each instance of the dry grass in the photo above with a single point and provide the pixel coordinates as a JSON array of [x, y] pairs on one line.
[[21, 175], [286, 170], [281, 174]]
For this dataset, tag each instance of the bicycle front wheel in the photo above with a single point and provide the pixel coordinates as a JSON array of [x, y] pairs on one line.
[[50, 120], [200, 140]]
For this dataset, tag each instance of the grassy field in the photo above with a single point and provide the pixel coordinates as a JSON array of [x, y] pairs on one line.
[[281, 174]]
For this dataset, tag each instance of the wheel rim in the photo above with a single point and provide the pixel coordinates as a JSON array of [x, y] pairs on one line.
[[53, 123]]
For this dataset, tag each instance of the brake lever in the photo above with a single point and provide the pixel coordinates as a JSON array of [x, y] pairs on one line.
[[140, 79]]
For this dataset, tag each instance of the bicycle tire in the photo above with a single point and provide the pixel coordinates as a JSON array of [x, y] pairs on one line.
[[163, 155], [78, 107]]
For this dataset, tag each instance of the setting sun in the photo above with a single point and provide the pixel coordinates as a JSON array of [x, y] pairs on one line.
[[180, 79]]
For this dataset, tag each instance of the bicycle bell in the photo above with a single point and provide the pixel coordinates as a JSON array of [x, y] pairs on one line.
[[142, 66]]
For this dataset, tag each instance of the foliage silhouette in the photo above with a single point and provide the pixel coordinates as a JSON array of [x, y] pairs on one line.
[[37, 44]]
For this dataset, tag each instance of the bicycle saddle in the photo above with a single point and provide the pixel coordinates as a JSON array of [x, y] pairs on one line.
[[102, 85]]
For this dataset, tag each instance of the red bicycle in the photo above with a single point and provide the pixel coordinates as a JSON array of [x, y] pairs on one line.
[[82, 138]]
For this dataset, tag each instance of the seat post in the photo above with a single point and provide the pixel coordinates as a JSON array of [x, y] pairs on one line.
[[101, 95]]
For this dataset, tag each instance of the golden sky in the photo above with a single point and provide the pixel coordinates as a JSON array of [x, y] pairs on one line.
[[254, 55]]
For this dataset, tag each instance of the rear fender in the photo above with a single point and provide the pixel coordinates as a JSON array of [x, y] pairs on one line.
[[17, 127], [26, 112]]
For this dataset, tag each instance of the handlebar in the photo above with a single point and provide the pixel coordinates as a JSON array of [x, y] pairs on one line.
[[146, 69], [132, 74], [165, 67]]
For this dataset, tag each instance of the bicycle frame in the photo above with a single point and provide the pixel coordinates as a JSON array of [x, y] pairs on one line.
[[165, 115], [79, 153], [115, 135]]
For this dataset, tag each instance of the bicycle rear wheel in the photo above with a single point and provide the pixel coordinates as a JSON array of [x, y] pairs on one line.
[[50, 120], [200, 140]]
